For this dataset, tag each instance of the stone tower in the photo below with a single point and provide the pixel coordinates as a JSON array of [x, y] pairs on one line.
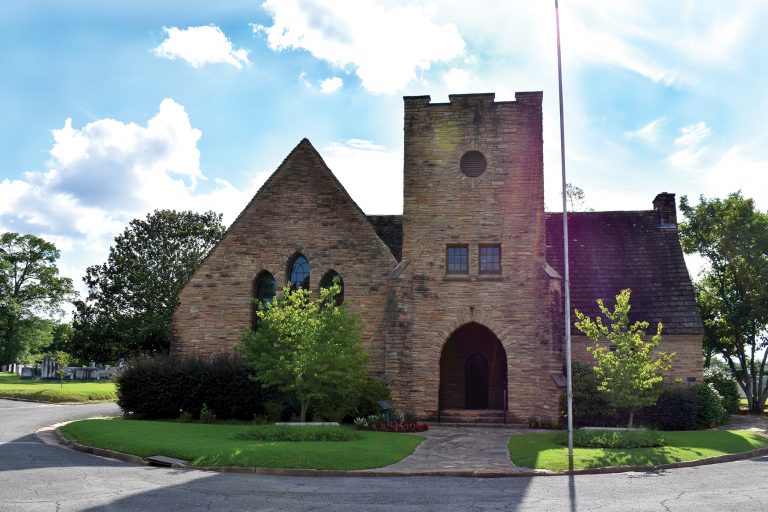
[[475, 329]]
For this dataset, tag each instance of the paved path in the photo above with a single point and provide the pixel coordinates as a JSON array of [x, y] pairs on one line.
[[461, 449]]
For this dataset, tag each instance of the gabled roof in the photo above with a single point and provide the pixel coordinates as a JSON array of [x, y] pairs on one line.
[[303, 150], [610, 251]]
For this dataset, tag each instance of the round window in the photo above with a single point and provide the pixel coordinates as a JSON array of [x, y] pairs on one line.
[[473, 164]]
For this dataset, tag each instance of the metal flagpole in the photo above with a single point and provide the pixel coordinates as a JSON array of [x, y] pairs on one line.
[[569, 392]]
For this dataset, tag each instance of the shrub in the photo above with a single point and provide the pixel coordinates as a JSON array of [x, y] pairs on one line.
[[674, 410], [206, 415], [276, 433], [398, 422], [371, 393], [721, 379], [164, 387], [685, 407], [615, 439], [589, 406], [537, 422], [709, 407]]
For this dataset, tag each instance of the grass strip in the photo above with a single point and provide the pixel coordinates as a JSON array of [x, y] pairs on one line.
[[12, 386], [217, 445], [297, 434], [543, 451]]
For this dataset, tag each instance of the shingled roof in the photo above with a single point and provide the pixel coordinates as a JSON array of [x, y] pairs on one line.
[[610, 251], [390, 230]]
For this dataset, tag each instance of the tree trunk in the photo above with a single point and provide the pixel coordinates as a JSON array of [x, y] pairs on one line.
[[631, 417], [304, 407]]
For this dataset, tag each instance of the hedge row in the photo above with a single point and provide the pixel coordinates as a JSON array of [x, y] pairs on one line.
[[166, 387], [680, 406], [169, 387]]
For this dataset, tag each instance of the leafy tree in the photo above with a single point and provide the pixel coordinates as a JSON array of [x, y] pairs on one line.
[[630, 371], [732, 237], [30, 287], [310, 348], [132, 296]]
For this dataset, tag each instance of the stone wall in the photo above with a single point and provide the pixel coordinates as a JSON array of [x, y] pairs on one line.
[[687, 364]]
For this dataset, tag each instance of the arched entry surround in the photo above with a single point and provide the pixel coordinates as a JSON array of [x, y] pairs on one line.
[[473, 369]]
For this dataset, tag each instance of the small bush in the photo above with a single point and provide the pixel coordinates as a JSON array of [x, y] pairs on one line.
[[398, 422], [164, 386], [674, 410], [276, 433], [589, 406], [709, 407], [537, 422], [721, 379], [371, 393], [685, 407], [206, 415], [615, 439]]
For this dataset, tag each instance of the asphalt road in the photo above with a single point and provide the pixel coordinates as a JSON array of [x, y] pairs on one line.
[[39, 477]]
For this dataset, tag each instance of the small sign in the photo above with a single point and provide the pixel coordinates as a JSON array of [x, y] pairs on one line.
[[385, 404]]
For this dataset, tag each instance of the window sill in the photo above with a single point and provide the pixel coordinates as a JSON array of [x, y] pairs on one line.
[[490, 277], [456, 277]]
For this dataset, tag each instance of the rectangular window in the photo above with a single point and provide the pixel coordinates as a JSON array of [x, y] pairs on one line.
[[457, 259], [490, 259]]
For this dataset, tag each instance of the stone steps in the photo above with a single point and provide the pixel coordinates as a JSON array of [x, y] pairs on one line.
[[476, 417]]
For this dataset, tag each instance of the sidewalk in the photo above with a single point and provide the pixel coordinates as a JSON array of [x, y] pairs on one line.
[[460, 448]]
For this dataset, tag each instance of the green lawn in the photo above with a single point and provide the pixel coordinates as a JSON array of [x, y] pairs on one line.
[[216, 445], [542, 451], [11, 386]]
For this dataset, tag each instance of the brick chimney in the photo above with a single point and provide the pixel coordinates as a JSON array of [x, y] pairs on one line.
[[664, 203]]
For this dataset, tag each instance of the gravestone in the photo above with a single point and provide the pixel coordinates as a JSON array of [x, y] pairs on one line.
[[27, 372], [48, 370]]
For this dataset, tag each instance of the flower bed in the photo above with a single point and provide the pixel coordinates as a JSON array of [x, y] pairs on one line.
[[397, 423]]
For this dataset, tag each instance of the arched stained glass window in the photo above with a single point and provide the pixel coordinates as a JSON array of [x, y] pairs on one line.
[[298, 272], [327, 281], [264, 289]]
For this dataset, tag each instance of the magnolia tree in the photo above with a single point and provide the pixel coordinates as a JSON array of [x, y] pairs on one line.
[[310, 348], [629, 372]]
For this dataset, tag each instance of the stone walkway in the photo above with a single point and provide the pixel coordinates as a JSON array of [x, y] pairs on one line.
[[449, 448], [470, 449], [747, 422]]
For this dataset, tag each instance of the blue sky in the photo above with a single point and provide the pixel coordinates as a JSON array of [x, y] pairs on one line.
[[113, 109]]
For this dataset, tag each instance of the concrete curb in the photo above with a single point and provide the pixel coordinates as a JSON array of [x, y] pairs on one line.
[[51, 435], [16, 399]]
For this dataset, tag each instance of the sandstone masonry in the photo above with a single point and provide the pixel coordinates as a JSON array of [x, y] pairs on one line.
[[461, 295]]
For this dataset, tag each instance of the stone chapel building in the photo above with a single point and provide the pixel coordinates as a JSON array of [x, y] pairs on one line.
[[461, 295]]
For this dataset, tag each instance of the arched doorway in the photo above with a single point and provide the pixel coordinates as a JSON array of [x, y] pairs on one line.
[[473, 370]]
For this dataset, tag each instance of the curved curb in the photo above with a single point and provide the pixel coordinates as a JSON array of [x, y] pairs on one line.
[[51, 435], [90, 402]]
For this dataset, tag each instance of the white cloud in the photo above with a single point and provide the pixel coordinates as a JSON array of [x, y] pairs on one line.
[[103, 175], [693, 134], [331, 84], [199, 46], [648, 133], [457, 80], [372, 174], [386, 47], [690, 153], [737, 168]]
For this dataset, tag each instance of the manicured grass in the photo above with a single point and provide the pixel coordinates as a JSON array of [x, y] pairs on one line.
[[542, 451], [11, 386], [216, 445]]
